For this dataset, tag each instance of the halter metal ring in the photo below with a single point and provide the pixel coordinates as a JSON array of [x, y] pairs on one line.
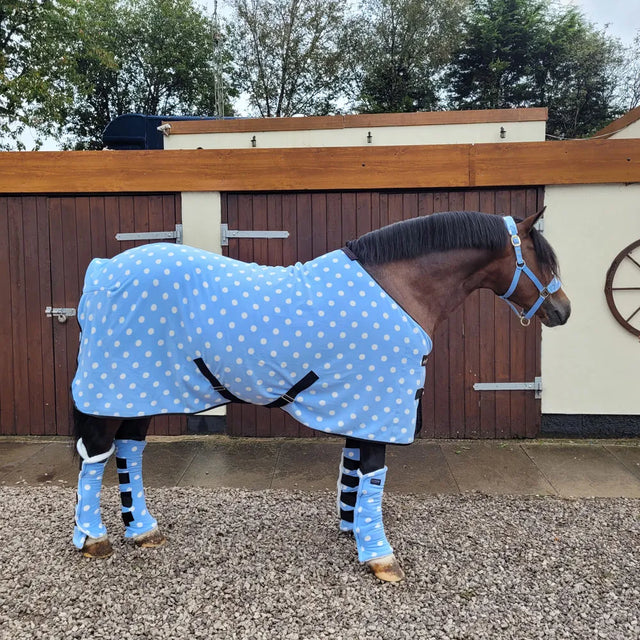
[[524, 321]]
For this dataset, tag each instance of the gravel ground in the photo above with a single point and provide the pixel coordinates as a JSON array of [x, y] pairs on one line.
[[256, 565]]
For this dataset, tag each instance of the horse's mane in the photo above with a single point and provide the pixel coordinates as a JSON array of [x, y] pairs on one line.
[[443, 232]]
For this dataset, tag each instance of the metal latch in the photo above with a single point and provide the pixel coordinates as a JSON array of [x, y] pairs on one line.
[[536, 386], [153, 235], [226, 233], [62, 313]]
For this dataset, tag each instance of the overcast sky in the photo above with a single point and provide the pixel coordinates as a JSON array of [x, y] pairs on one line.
[[622, 16]]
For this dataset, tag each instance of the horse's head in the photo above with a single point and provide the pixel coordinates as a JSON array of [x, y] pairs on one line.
[[527, 275]]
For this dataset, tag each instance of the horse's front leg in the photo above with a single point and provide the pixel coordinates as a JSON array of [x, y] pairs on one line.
[[140, 525], [373, 547]]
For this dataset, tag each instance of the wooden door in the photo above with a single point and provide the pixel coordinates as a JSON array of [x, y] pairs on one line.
[[46, 246], [482, 341]]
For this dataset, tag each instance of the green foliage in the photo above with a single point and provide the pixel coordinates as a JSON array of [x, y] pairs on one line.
[[68, 67], [143, 56], [289, 57], [32, 58], [522, 53], [400, 48]]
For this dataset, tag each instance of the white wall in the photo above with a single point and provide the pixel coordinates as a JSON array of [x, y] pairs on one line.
[[591, 365], [201, 218], [631, 131], [351, 137]]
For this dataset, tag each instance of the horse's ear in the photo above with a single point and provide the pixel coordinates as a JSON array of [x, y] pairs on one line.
[[528, 223]]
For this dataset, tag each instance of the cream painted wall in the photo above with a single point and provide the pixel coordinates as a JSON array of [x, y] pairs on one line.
[[352, 137], [591, 365], [632, 131], [201, 219]]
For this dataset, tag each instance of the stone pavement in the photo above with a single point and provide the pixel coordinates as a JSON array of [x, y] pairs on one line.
[[566, 468]]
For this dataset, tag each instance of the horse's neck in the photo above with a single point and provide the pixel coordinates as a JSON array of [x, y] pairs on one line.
[[433, 285]]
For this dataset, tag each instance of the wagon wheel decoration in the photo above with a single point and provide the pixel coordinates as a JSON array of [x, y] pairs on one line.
[[623, 298]]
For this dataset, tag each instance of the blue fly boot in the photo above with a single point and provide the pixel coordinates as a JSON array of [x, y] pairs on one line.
[[89, 533], [139, 523], [348, 480], [373, 547]]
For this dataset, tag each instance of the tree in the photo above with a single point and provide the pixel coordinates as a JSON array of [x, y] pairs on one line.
[[33, 37], [630, 81], [144, 56], [288, 55], [400, 48], [521, 53]]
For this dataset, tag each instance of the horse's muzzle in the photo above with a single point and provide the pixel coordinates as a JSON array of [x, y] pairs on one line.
[[555, 312]]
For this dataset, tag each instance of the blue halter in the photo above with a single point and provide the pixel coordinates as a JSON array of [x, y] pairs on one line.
[[521, 266]]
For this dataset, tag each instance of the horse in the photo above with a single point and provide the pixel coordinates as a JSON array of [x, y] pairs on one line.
[[339, 342]]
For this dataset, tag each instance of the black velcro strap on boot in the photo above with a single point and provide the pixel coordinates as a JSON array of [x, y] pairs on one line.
[[350, 464], [349, 481], [347, 516], [126, 498], [290, 396], [349, 498], [215, 383]]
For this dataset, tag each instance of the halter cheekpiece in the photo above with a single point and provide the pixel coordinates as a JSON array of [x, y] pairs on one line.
[[521, 266]]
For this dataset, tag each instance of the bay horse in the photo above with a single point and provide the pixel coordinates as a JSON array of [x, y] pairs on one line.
[[339, 342]]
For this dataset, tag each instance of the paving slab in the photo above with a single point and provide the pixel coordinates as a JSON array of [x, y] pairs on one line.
[[584, 471], [495, 468], [165, 463], [233, 463], [307, 466], [628, 456], [51, 463], [12, 457], [419, 468]]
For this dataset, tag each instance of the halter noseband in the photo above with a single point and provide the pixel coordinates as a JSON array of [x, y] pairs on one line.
[[521, 266]]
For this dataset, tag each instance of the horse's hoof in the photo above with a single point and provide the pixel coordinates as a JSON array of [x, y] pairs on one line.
[[150, 540], [97, 548], [387, 569]]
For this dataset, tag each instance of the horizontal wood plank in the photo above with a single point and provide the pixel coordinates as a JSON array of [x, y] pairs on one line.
[[566, 162], [342, 168], [426, 118]]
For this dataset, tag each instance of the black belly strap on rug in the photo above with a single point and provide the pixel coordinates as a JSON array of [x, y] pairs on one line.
[[284, 399]]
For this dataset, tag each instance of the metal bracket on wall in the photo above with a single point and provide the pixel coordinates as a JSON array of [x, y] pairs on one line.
[[226, 233], [153, 235], [536, 386]]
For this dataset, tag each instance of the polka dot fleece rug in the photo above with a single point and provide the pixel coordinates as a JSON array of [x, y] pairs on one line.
[[162, 325]]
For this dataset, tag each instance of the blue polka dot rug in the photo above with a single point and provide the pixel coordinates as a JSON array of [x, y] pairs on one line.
[[173, 329]]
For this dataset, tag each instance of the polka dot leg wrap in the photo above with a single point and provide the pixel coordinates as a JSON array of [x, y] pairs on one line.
[[135, 515], [348, 481], [368, 528], [88, 515]]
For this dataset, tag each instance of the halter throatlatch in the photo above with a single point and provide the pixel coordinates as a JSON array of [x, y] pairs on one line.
[[521, 267]]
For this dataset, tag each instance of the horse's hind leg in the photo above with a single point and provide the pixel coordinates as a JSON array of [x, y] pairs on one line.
[[94, 444], [373, 547], [140, 525]]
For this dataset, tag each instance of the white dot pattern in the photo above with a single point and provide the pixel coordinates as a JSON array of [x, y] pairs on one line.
[[148, 313]]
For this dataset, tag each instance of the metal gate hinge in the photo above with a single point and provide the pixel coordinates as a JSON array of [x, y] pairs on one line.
[[536, 386], [226, 233], [153, 235], [62, 313]]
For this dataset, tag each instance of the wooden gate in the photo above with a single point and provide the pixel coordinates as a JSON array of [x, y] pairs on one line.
[[45, 247], [482, 341]]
